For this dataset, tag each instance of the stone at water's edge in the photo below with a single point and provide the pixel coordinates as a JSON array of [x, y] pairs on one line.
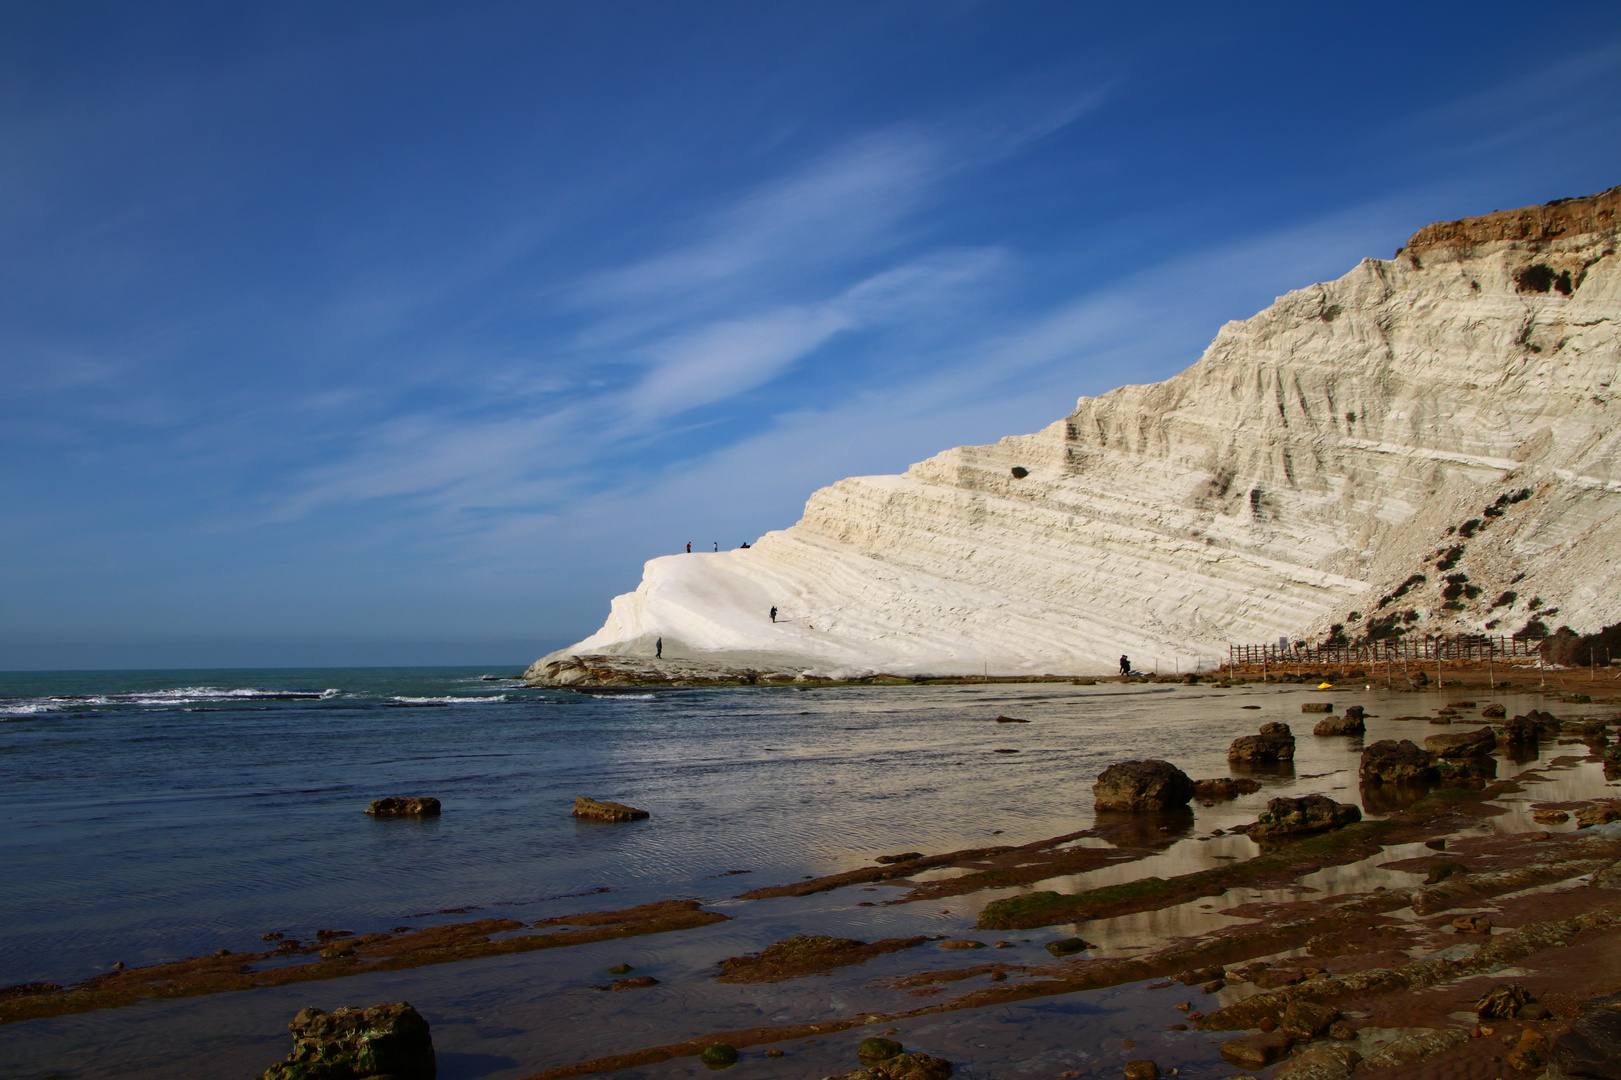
[[1225, 787], [1275, 743], [877, 1049], [1341, 725], [1302, 817], [351, 1044], [1317, 707], [595, 810], [1464, 744], [1392, 761], [1142, 785], [903, 1067], [403, 807], [1592, 1046]]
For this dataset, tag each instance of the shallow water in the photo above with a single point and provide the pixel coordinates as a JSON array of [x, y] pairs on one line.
[[154, 819]]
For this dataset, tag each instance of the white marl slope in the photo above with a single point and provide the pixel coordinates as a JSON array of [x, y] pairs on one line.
[[1313, 458]]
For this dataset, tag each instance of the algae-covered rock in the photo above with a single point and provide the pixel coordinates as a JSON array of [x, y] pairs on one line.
[[876, 1049], [404, 807], [1317, 707], [1256, 1051], [1411, 1049], [1301, 817], [1392, 761], [1462, 744], [1306, 1019], [1598, 813], [1274, 743], [1341, 725], [595, 810], [719, 1055], [1225, 787], [352, 1044], [1067, 946], [903, 1067], [1319, 1063], [1142, 785]]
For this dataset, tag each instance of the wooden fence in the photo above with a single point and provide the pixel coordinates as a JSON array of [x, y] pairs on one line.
[[1463, 648]]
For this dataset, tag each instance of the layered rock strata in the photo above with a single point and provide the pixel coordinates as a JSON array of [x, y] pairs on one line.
[[1426, 444]]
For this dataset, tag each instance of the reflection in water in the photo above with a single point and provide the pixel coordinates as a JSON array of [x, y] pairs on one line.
[[1136, 828], [1391, 798], [1282, 770]]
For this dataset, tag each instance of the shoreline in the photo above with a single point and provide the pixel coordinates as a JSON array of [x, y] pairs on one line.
[[1522, 882]]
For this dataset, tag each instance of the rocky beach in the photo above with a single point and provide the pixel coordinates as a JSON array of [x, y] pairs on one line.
[[1269, 901]]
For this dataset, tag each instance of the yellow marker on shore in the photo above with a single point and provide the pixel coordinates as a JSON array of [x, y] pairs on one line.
[[1325, 686]]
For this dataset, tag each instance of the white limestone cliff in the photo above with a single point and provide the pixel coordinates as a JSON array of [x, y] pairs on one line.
[[1313, 459]]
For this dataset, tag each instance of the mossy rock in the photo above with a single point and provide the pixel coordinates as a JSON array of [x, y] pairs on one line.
[[876, 1049], [719, 1055]]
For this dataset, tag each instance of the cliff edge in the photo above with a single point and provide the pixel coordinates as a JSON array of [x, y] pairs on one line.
[[1427, 444]]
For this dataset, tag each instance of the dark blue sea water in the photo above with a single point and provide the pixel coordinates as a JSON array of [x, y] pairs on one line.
[[159, 814], [156, 815]]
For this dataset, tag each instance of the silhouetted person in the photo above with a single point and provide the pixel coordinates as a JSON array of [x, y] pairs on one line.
[[658, 648], [1125, 665], [689, 547], [745, 544], [717, 545], [773, 614]]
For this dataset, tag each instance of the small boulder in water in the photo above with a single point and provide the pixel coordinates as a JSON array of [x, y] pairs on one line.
[[1142, 785], [595, 810], [1302, 817], [404, 807], [1275, 743], [385, 1040]]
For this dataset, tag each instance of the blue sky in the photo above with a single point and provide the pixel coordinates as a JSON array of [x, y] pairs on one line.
[[404, 333]]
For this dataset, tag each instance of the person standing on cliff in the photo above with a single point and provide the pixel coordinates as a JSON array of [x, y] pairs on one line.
[[689, 547], [773, 614], [1125, 665], [658, 649]]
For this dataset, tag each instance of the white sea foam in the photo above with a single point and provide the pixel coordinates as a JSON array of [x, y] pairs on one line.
[[29, 708], [449, 700]]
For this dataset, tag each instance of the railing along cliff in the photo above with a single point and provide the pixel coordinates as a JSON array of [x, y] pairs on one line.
[[1463, 648]]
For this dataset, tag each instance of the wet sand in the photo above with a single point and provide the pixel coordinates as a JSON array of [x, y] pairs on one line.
[[1178, 910]]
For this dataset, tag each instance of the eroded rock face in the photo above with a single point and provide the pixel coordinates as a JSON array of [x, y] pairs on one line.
[[1275, 743], [1392, 761], [1300, 470], [353, 1044], [1142, 785], [595, 810], [404, 807], [1463, 744], [1301, 817]]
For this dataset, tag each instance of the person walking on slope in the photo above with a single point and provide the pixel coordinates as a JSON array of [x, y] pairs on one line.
[[689, 547], [1125, 665], [658, 649], [773, 614]]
